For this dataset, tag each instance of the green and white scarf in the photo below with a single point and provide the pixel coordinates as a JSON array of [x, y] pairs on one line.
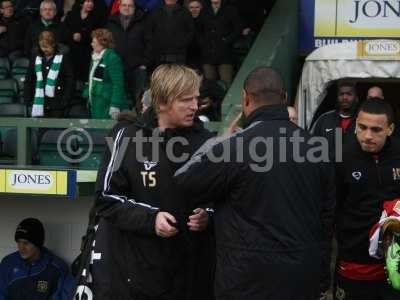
[[42, 90]]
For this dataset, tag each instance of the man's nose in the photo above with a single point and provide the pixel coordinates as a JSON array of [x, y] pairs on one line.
[[368, 134], [195, 104]]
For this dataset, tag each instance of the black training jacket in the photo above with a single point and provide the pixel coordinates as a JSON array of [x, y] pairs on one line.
[[130, 191], [365, 181], [268, 224]]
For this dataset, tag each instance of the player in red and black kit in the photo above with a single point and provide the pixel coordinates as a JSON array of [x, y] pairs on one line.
[[367, 178], [342, 117], [325, 126]]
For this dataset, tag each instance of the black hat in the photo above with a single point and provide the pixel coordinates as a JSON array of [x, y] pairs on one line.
[[31, 230]]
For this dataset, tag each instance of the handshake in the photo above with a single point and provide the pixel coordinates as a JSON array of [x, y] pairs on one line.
[[166, 224]]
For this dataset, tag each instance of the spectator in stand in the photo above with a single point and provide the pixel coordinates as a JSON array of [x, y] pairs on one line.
[[147, 6], [49, 82], [33, 272], [170, 31], [194, 52], [220, 27], [211, 96], [105, 89], [79, 23], [46, 22], [12, 31], [375, 92], [128, 30]]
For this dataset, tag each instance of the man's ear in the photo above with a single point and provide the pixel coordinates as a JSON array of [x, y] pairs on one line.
[[245, 99], [285, 97], [391, 129]]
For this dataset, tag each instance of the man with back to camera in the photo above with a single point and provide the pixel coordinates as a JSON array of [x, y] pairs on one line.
[[366, 178], [33, 272], [269, 222]]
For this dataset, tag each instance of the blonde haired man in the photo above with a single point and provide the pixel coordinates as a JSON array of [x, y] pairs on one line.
[[139, 211]]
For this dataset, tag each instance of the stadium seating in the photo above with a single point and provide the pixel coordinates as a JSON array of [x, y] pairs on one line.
[[4, 67], [8, 91], [18, 72]]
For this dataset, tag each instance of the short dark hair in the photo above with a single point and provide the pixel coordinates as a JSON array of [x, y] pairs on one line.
[[350, 84], [265, 85], [378, 106]]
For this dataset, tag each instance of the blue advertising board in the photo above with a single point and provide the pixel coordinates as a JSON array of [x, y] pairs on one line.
[[325, 22]]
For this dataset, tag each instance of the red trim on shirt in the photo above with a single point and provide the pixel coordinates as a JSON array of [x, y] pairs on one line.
[[345, 123], [361, 272]]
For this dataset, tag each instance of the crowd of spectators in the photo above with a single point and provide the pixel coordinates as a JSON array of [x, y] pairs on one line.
[[144, 34]]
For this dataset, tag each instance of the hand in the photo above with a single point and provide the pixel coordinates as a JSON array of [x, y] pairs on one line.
[[113, 112], [198, 221], [162, 227], [3, 29], [234, 125], [246, 31], [204, 104], [77, 37]]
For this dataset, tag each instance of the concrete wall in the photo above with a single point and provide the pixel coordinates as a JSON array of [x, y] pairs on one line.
[[64, 221]]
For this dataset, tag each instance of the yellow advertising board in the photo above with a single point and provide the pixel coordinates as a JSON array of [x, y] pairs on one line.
[[37, 182], [357, 18], [379, 49]]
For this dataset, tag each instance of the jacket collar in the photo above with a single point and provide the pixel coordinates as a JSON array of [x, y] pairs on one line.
[[389, 150], [137, 16], [148, 122], [267, 113]]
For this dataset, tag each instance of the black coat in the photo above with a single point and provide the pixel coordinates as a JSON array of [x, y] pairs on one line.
[[271, 214], [32, 35], [169, 34], [217, 34], [194, 50], [327, 125], [130, 43], [13, 38], [127, 202], [81, 51], [364, 181], [65, 85]]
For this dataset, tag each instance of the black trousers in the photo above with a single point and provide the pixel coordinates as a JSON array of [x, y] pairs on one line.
[[348, 289]]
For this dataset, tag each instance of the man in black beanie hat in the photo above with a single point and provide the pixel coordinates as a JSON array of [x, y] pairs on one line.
[[30, 238], [33, 272]]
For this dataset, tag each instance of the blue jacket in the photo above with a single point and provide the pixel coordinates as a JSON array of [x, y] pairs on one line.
[[48, 278], [149, 5]]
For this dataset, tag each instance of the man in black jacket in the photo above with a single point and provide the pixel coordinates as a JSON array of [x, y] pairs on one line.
[[342, 118], [366, 178], [128, 28], [142, 233], [273, 206], [12, 31], [47, 21], [170, 30], [219, 28]]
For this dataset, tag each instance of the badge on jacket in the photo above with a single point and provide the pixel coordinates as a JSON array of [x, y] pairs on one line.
[[396, 174], [42, 286], [99, 72]]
